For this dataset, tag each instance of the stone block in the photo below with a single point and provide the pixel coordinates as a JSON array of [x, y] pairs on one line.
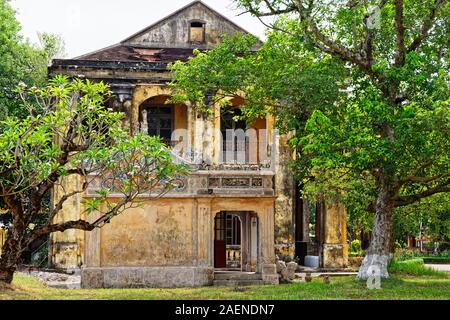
[[271, 278], [269, 268], [335, 256], [150, 277], [312, 261], [91, 278], [281, 265]]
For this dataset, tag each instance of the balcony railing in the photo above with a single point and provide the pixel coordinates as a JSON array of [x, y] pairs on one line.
[[233, 254]]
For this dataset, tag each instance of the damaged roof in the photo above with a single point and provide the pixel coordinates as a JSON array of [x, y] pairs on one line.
[[127, 53], [160, 44]]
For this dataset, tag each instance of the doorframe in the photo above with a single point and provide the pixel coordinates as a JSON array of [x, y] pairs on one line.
[[249, 251]]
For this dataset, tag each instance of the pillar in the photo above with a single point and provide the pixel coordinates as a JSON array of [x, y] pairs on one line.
[[285, 202], [66, 248], [267, 239], [198, 133], [92, 244]]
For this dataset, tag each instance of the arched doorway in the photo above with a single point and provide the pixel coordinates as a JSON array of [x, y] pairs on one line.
[[236, 240], [227, 241]]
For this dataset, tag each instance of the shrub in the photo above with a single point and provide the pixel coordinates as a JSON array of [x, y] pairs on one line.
[[414, 267], [445, 246], [356, 254], [355, 246], [407, 254], [444, 254], [437, 260]]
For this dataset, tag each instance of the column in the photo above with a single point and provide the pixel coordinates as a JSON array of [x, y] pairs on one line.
[[66, 247], [92, 257], [253, 242], [267, 240], [204, 233], [335, 248]]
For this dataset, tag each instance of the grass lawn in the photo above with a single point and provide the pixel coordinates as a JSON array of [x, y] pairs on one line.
[[397, 287]]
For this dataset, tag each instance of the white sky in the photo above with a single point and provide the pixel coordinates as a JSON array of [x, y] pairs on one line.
[[88, 25]]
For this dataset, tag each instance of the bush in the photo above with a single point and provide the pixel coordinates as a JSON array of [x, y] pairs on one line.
[[444, 254], [437, 260], [356, 254], [355, 246], [414, 267], [407, 254], [445, 246]]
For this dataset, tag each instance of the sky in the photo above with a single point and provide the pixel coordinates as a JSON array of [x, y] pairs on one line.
[[89, 25]]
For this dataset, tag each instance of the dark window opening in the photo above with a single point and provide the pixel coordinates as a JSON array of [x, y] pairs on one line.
[[197, 32], [196, 25], [160, 119], [234, 147]]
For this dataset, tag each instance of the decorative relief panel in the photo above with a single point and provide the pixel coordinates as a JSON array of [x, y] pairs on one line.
[[257, 182], [235, 182]]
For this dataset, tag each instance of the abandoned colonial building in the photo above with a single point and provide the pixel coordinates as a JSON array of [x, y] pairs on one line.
[[237, 210]]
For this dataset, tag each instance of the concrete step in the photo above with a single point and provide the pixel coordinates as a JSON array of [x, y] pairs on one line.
[[238, 283], [236, 276]]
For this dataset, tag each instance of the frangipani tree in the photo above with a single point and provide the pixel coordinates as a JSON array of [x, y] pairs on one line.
[[69, 132]]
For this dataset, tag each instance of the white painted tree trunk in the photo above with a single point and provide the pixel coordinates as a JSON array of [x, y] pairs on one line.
[[379, 253]]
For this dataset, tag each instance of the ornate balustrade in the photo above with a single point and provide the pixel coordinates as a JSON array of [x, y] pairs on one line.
[[204, 179]]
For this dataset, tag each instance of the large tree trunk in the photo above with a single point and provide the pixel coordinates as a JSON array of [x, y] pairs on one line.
[[6, 274], [9, 259], [379, 253]]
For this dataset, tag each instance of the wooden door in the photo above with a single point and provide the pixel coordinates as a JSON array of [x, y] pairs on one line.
[[220, 244]]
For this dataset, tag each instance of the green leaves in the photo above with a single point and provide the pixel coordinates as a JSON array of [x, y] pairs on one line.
[[351, 121], [69, 131], [19, 61]]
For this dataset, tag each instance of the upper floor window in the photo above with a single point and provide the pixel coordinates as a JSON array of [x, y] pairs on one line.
[[197, 32], [157, 120]]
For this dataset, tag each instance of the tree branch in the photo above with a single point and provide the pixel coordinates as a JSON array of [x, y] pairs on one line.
[[272, 11], [61, 227], [58, 207], [338, 49], [400, 34], [367, 45], [426, 26], [401, 201], [418, 179]]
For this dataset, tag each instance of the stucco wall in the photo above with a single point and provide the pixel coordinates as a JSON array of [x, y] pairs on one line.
[[170, 243], [172, 232], [159, 234]]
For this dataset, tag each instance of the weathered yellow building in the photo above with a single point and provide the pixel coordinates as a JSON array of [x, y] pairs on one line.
[[233, 212]]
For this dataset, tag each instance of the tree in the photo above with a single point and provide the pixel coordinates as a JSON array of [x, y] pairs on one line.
[[364, 84], [19, 61], [71, 133], [53, 46], [432, 215]]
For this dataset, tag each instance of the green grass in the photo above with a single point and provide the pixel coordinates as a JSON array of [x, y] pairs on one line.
[[397, 287], [413, 267]]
